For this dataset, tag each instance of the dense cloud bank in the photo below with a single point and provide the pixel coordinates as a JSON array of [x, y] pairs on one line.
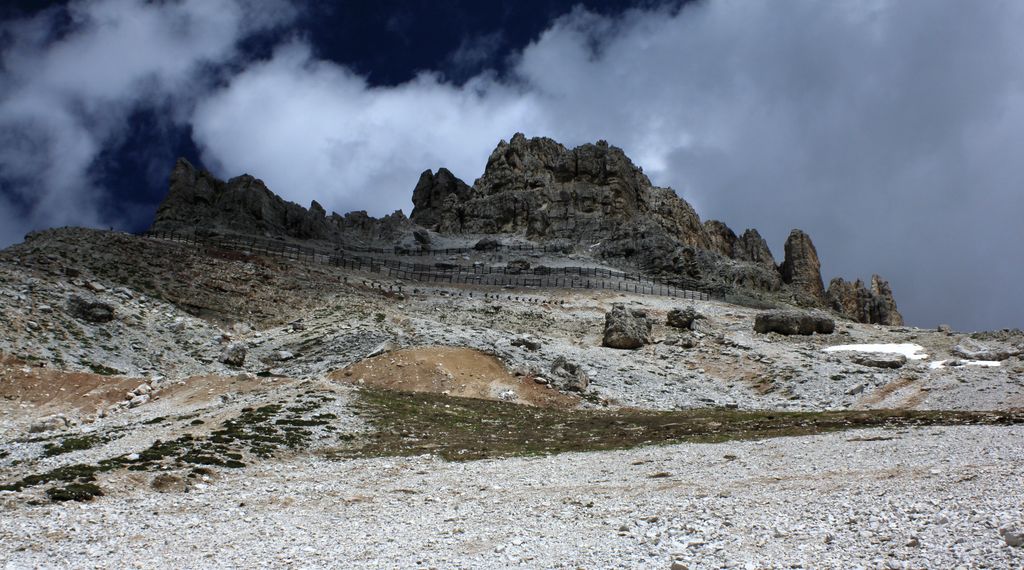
[[887, 130]]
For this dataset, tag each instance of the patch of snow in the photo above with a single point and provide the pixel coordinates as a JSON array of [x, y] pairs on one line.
[[988, 363], [911, 351]]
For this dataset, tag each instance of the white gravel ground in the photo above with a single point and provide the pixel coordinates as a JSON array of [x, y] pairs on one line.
[[926, 498]]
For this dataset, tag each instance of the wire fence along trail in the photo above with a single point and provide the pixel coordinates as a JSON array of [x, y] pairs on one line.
[[591, 278]]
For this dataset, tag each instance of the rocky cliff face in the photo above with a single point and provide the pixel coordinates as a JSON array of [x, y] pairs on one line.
[[721, 239], [801, 267], [199, 202], [751, 247], [875, 305], [590, 198], [541, 189], [436, 198]]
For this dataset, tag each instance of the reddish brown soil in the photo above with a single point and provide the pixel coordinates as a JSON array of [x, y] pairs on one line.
[[460, 372], [48, 390]]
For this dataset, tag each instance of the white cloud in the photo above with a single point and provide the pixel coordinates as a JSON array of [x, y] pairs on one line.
[[313, 130], [65, 98]]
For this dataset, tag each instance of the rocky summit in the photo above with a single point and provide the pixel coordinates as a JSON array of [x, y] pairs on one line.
[[558, 366], [590, 199]]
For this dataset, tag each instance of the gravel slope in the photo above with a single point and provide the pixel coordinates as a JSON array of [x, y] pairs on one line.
[[922, 498]]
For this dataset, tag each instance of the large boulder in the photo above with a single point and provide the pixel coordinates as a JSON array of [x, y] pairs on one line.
[[233, 354], [49, 423], [880, 359], [517, 266], [90, 311], [682, 318], [569, 375], [793, 322], [527, 341], [487, 244], [971, 349], [626, 328], [801, 267]]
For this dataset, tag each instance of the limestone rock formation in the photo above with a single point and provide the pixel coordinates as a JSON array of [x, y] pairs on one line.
[[436, 200], [198, 202], [855, 301], [721, 239], [801, 266], [626, 328], [886, 304], [537, 187], [588, 200], [751, 247]]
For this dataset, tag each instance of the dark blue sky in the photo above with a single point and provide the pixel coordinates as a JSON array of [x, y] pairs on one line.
[[888, 130]]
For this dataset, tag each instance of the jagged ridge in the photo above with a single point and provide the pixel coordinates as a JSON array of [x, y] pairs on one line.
[[592, 195]]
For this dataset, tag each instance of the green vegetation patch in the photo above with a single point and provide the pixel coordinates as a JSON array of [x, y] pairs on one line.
[[74, 492], [76, 443], [466, 429], [262, 432], [101, 369]]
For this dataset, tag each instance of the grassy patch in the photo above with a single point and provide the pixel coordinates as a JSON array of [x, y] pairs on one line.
[[261, 432], [101, 369], [67, 474], [467, 429], [73, 444], [74, 492]]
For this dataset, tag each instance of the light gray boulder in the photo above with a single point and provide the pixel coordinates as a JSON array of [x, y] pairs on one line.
[[971, 349], [626, 328], [233, 354], [569, 375], [880, 360]]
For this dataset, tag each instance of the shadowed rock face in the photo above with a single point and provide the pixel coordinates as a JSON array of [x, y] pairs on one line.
[[199, 202], [721, 239], [541, 189], [435, 201], [751, 247], [854, 300], [801, 266]]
